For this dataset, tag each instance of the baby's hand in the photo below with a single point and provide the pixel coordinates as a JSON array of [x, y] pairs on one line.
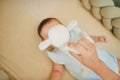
[[99, 38], [102, 39]]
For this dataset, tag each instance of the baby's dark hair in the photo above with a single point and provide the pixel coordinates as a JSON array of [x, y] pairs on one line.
[[45, 21]]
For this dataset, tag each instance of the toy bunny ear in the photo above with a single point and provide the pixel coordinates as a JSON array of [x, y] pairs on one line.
[[43, 45], [72, 24]]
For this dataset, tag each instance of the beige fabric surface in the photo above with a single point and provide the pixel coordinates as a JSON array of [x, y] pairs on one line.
[[19, 19]]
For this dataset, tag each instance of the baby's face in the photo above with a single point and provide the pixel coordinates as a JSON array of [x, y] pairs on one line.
[[47, 27]]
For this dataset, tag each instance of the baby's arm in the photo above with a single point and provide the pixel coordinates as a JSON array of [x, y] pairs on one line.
[[99, 38], [57, 72]]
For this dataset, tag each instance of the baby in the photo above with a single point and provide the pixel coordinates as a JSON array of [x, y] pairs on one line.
[[70, 63]]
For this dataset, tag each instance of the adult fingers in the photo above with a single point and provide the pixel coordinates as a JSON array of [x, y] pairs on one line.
[[85, 43], [78, 47], [77, 56]]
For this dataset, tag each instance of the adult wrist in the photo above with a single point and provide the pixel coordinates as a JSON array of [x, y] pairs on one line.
[[101, 69], [97, 65]]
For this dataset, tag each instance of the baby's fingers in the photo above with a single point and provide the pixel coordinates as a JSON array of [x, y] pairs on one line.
[[103, 38]]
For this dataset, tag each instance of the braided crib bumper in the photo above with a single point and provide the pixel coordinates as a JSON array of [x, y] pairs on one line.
[[106, 12]]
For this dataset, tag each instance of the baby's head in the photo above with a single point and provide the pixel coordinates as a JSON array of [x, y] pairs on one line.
[[45, 26]]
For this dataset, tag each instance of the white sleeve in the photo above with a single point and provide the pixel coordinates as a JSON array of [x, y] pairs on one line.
[[77, 34]]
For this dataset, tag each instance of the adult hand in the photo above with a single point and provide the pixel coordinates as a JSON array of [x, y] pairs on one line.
[[88, 54]]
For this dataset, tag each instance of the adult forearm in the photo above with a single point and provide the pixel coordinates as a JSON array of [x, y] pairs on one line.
[[104, 72]]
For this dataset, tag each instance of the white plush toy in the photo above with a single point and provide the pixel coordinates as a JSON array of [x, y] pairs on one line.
[[59, 36]]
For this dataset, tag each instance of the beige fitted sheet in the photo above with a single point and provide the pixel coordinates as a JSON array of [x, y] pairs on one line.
[[19, 19]]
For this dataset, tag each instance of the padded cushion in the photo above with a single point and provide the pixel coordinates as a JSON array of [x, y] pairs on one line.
[[105, 11], [117, 3]]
